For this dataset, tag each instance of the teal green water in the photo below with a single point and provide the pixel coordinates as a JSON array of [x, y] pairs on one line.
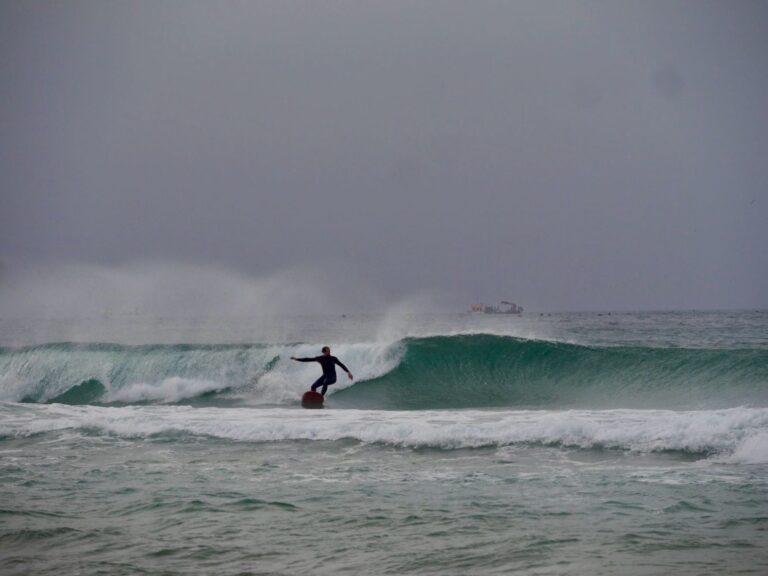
[[496, 371], [573, 444], [195, 505], [458, 371]]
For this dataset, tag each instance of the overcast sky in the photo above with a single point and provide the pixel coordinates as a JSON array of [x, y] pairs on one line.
[[565, 155]]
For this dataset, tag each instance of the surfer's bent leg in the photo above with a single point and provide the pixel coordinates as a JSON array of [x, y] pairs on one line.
[[323, 381], [319, 382]]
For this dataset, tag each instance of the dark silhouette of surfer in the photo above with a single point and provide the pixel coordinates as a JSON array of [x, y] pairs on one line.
[[328, 363]]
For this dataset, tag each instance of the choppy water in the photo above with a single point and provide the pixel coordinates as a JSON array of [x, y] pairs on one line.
[[565, 444]]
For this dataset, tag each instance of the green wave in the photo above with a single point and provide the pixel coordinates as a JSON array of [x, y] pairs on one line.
[[87, 392], [496, 371], [464, 371], [84, 373]]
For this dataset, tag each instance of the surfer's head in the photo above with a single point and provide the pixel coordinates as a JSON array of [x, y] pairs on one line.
[[326, 350]]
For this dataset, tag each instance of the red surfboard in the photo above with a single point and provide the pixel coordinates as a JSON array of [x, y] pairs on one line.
[[312, 400]]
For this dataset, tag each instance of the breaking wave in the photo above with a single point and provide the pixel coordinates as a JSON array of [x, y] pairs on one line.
[[735, 435], [460, 371]]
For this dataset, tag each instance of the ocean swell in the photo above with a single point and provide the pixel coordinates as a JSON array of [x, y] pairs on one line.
[[437, 372]]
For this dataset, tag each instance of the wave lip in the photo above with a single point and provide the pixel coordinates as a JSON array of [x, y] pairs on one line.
[[740, 434]]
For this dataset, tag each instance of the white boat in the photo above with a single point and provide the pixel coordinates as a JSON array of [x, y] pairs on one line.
[[504, 307]]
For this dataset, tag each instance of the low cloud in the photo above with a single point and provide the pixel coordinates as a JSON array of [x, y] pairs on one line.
[[161, 289]]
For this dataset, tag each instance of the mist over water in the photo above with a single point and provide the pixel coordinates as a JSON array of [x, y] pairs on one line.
[[171, 290]]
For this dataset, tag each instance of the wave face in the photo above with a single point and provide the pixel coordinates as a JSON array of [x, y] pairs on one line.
[[437, 372], [473, 371]]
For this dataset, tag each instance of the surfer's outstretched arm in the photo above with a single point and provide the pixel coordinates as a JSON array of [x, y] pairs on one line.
[[304, 359], [340, 363]]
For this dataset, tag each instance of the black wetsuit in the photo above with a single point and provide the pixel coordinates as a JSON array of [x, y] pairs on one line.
[[329, 371]]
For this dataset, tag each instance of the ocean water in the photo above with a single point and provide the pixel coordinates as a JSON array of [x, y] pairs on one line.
[[632, 443]]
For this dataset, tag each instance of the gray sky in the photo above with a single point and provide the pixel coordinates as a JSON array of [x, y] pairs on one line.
[[565, 155]]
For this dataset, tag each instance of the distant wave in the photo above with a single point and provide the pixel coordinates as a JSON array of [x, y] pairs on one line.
[[460, 371]]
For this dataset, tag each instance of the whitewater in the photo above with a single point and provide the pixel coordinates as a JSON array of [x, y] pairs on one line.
[[602, 443]]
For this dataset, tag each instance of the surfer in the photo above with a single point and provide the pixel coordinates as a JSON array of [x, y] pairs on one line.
[[328, 363]]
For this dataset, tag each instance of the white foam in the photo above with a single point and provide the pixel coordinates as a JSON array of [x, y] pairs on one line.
[[752, 450], [287, 379], [740, 434], [168, 390], [13, 387]]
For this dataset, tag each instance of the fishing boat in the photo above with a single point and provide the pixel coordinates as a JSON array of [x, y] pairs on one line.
[[504, 307]]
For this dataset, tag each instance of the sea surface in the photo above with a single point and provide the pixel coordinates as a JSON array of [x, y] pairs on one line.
[[592, 443]]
